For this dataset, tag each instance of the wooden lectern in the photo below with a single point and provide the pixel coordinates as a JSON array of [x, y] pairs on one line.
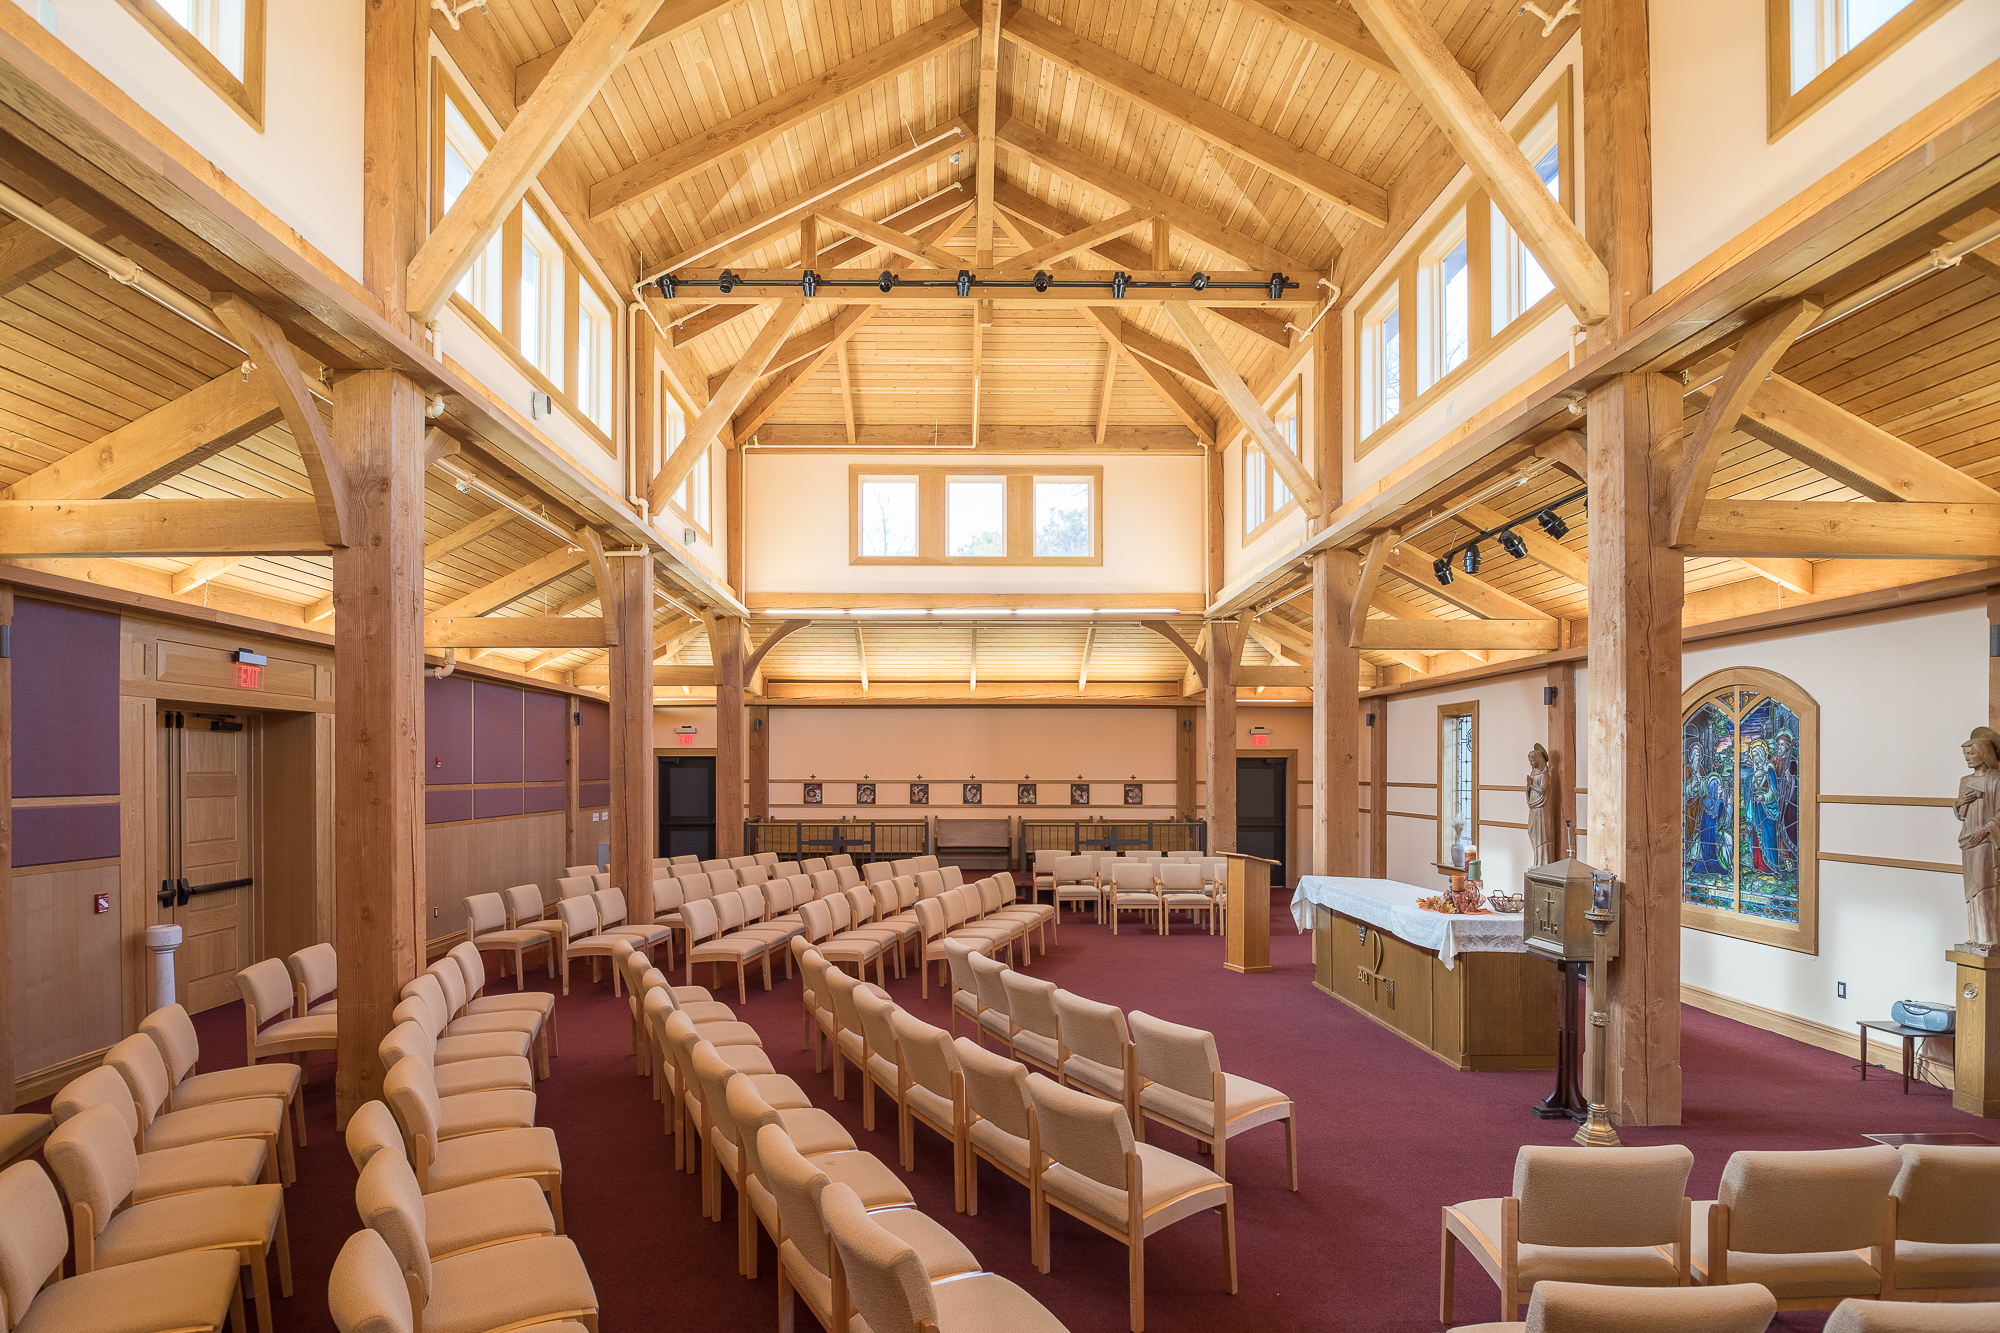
[[1976, 1044], [1247, 881]]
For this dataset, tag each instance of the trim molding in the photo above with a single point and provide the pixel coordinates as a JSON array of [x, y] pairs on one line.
[[32, 1087], [1939, 867], [1809, 1031], [1886, 800]]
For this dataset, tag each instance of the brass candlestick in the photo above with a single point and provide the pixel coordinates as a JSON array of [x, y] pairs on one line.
[[1596, 1130]]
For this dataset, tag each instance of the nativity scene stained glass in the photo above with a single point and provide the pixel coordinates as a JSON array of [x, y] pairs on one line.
[[1749, 789]]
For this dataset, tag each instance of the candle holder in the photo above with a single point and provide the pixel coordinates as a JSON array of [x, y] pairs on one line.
[[1596, 1130]]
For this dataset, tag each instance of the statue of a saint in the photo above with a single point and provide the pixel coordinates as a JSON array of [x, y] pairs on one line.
[[1540, 848], [1978, 811]]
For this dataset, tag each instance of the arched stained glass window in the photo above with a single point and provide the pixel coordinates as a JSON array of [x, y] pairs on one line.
[[1749, 808]]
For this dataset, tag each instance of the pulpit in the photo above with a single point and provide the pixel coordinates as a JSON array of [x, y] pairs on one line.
[[1247, 881]]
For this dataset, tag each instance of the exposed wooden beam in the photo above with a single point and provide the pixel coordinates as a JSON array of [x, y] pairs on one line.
[[989, 118], [1200, 117], [1246, 407], [1371, 577], [179, 528], [668, 638], [861, 654], [1818, 529], [784, 631], [664, 677], [1756, 354], [1111, 327], [1084, 239], [202, 572], [1104, 392], [1332, 27], [1199, 227], [1197, 662], [1542, 548], [768, 119], [1497, 163], [515, 632], [978, 367], [1012, 199], [437, 447], [1272, 328], [513, 587], [846, 390], [27, 253], [1568, 452], [674, 19], [166, 440], [600, 573], [522, 150], [1466, 591], [1829, 438], [708, 425], [275, 366], [1459, 636], [488, 522], [889, 238], [994, 437], [1161, 352], [1791, 575], [1083, 666]]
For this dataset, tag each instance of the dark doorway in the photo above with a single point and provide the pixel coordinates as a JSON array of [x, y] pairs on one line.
[[1260, 812], [687, 806]]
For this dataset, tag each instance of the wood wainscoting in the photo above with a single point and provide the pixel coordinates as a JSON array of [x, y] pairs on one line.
[[1887, 1050], [486, 856]]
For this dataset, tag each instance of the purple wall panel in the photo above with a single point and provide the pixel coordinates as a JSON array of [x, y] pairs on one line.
[[591, 795], [544, 732], [447, 807], [65, 704], [496, 733], [494, 803], [537, 800], [47, 834], [447, 733], [594, 745]]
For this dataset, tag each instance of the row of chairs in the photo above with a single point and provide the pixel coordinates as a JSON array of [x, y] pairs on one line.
[[848, 1236], [1153, 886], [1573, 1307], [1069, 1148], [1911, 1224]]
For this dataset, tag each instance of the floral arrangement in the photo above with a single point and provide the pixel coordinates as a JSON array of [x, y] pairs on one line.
[[1461, 899]]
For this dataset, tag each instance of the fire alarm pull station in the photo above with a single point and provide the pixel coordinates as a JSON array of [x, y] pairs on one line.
[[102, 904]]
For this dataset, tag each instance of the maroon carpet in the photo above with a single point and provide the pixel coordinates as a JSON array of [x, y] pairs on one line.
[[1387, 1135]]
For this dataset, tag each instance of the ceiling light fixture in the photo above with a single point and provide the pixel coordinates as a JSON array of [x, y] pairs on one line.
[[1471, 558], [1442, 568], [1511, 543]]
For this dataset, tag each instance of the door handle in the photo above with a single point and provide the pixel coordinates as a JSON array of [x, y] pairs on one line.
[[166, 894], [217, 887]]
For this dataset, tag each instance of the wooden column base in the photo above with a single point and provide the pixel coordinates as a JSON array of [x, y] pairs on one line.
[[1976, 1045]]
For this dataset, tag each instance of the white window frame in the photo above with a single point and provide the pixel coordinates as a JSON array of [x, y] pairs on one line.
[[1377, 410], [1836, 59], [1433, 299], [996, 480]]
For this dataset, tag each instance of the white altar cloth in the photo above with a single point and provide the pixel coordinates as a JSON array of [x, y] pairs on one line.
[[1390, 905]]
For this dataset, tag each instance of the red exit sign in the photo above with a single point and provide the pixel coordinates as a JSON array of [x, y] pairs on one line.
[[249, 677]]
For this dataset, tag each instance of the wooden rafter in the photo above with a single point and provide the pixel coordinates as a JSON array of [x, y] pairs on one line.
[[26, 253], [514, 586], [1916, 530], [1246, 407], [178, 528], [1163, 353], [674, 19], [1458, 636], [567, 632], [1104, 393], [275, 365], [1800, 424], [491, 521], [766, 120], [1197, 662], [1541, 547], [1012, 200], [1112, 329], [989, 119], [1497, 163], [1332, 27], [708, 425], [1791, 575], [1198, 116], [170, 438], [1083, 666], [846, 390], [784, 630], [889, 238], [1568, 451], [600, 574], [1084, 239], [1468, 592], [1371, 577], [523, 149]]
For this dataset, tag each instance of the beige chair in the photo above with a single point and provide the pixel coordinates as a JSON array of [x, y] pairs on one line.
[[1947, 1224], [582, 872], [1099, 1056], [530, 1021], [271, 1026], [367, 1293], [1852, 1316], [93, 1161], [1814, 1227], [930, 1092], [1181, 890], [847, 1040], [407, 1040], [1075, 881], [706, 944], [315, 973], [1134, 889], [137, 1061], [472, 969], [1097, 1173], [479, 1111], [816, 1000], [486, 929], [166, 1171], [681, 1037], [1182, 1086], [503, 1286], [893, 1292], [464, 1217], [808, 1264], [469, 1036], [173, 1033], [1576, 1215], [993, 1016], [841, 949], [813, 1130], [939, 940], [1040, 917], [445, 1160], [854, 918], [964, 914], [528, 910], [189, 1292], [999, 1128], [21, 1133], [579, 938], [1035, 1035], [881, 1067], [1575, 1307]]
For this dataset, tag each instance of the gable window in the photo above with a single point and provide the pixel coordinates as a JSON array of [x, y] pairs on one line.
[[1816, 48], [528, 291], [1750, 809], [1266, 497], [222, 41], [974, 516], [1465, 288]]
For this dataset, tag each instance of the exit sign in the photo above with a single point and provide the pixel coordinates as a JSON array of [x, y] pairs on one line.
[[249, 677]]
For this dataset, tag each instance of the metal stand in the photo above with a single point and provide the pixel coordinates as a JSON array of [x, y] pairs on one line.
[[1567, 1099], [1597, 1131]]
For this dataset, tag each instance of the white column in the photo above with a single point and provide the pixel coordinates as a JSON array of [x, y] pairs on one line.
[[163, 940]]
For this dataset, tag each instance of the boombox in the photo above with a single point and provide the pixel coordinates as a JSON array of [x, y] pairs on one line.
[[1923, 1014]]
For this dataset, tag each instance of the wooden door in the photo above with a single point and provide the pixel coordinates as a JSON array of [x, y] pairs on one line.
[[207, 889]]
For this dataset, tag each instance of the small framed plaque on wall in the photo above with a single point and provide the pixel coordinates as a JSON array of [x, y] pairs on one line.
[[920, 793], [969, 794], [864, 793], [1135, 793], [1079, 793], [1024, 793], [815, 793]]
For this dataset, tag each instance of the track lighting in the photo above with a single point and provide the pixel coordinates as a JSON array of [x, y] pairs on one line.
[[1511, 543], [1552, 524], [1471, 559], [1442, 568]]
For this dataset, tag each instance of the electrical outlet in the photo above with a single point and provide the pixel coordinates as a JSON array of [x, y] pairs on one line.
[[434, 913], [1840, 989]]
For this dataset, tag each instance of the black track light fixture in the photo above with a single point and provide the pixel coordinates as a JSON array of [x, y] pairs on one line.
[[1470, 560], [1442, 568], [1552, 523], [1511, 543]]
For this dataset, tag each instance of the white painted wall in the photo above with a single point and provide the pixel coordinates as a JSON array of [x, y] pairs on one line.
[[306, 165], [496, 370], [1714, 174], [1237, 558], [797, 538]]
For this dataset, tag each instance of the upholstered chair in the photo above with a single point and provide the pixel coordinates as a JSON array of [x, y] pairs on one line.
[[861, 909], [847, 876], [782, 869], [930, 1092], [964, 985], [21, 1133], [315, 973], [961, 918], [815, 1000], [682, 1037], [1097, 1173], [993, 1014], [1099, 1056], [498, 1286], [1036, 916], [173, 1033], [890, 915], [1814, 1227], [1035, 1031], [581, 872], [874, 1009], [367, 1293], [527, 910], [473, 970], [529, 1021], [812, 865], [1576, 1215], [408, 1041], [1181, 891], [708, 944], [999, 1128], [1074, 879], [137, 1060], [92, 1159], [1134, 889], [1948, 1224], [894, 1294], [1575, 1307], [271, 1023], [1855, 1316], [766, 859], [813, 1130], [192, 1293], [465, 1217], [612, 919], [993, 911], [445, 1158], [824, 918], [1182, 1086], [425, 999], [486, 929], [218, 1164]]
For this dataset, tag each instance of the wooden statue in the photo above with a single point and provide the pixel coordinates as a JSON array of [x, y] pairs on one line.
[[1978, 811], [1541, 851]]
